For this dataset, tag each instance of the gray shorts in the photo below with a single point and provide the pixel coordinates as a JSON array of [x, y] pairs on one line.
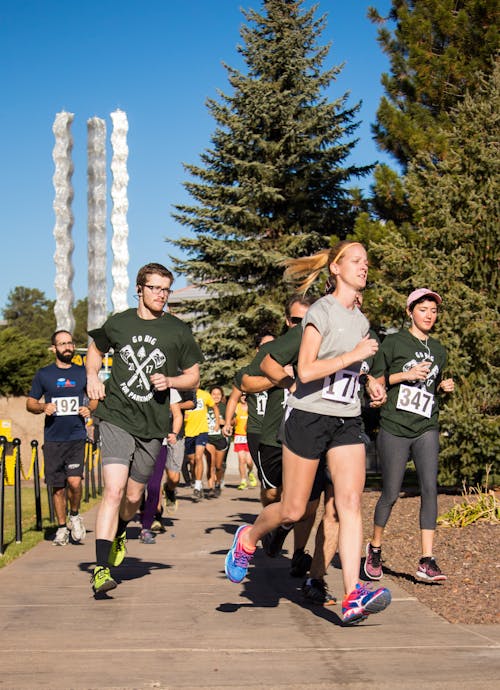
[[118, 447], [175, 456]]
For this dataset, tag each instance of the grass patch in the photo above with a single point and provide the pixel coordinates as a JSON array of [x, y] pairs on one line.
[[30, 535], [479, 505]]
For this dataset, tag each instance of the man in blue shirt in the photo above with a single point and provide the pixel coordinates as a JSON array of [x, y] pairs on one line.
[[62, 385]]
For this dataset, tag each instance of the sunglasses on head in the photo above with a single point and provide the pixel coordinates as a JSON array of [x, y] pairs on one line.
[[295, 320]]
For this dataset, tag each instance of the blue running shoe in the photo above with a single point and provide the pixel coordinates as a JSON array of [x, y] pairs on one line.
[[362, 601], [237, 559]]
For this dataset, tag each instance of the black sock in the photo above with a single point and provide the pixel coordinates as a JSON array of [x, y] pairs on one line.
[[102, 547], [63, 525], [73, 513], [122, 526]]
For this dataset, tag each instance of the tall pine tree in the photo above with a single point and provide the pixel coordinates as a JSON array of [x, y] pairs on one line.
[[273, 184], [453, 248], [436, 51]]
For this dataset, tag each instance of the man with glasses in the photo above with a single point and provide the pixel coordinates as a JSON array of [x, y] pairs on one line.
[[153, 352], [62, 385]]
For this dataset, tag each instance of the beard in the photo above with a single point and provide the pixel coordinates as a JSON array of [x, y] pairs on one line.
[[64, 357]]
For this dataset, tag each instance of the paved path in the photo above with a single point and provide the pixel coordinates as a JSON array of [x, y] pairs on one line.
[[176, 622]]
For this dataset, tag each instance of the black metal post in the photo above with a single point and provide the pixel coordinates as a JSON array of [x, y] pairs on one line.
[[36, 479], [3, 441], [17, 489]]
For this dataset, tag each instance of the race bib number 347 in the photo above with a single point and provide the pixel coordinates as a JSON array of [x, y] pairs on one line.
[[415, 400], [66, 406]]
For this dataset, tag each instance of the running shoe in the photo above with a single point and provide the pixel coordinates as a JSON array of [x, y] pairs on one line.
[[316, 592], [147, 536], [362, 601], [217, 490], [237, 559], [198, 495], [101, 580], [272, 542], [118, 550], [301, 562], [429, 571], [77, 528], [170, 500], [210, 493], [252, 480], [62, 537], [373, 562], [242, 485]]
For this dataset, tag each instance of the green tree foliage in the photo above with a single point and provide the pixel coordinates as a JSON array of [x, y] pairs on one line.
[[436, 51], [453, 248], [273, 184], [30, 312], [80, 313], [20, 356]]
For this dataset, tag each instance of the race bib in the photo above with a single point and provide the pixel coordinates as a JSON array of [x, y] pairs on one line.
[[415, 400], [66, 406], [343, 386], [240, 439]]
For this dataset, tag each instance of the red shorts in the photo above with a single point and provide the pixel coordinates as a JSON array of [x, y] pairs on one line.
[[240, 443]]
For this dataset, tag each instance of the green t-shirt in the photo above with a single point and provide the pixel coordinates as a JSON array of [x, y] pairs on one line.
[[411, 408], [142, 347], [256, 402], [285, 350]]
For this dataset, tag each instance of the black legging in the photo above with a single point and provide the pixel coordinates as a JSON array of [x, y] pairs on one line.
[[394, 452]]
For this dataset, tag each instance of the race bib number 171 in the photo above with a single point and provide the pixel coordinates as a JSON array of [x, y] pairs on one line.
[[343, 386]]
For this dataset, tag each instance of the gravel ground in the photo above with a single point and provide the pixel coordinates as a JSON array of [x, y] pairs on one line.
[[470, 556]]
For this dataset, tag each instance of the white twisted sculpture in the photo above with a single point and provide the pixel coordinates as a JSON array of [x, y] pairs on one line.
[[96, 200], [61, 155], [119, 212]]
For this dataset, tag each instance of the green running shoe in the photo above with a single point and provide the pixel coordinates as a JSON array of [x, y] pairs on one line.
[[101, 580], [118, 550]]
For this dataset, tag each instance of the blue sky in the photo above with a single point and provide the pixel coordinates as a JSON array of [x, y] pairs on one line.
[[158, 60]]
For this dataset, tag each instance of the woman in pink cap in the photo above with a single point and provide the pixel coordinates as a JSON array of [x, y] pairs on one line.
[[412, 363]]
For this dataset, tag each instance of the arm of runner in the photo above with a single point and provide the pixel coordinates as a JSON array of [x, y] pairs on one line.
[[310, 368], [190, 378], [280, 376], [255, 384], [233, 399], [39, 407], [93, 363]]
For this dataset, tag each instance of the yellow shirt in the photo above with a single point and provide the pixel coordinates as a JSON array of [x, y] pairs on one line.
[[241, 417], [196, 421]]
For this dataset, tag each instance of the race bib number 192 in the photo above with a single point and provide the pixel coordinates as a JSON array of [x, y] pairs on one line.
[[415, 400], [66, 406], [343, 386]]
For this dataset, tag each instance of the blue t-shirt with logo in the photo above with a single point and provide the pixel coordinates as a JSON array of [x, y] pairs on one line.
[[68, 386]]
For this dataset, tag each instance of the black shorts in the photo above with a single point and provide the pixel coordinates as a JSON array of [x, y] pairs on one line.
[[218, 442], [63, 459], [253, 441], [270, 466], [311, 435]]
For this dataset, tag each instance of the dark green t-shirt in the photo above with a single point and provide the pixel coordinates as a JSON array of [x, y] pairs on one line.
[[411, 408], [256, 402], [285, 350], [141, 348]]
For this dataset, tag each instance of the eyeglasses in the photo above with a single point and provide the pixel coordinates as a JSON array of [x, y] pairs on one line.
[[69, 343], [295, 320], [157, 290]]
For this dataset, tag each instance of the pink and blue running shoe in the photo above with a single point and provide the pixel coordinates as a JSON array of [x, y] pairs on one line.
[[237, 559], [362, 601]]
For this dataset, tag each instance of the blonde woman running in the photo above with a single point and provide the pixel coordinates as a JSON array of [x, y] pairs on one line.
[[324, 416]]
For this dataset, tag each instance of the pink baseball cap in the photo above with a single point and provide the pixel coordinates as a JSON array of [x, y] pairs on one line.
[[422, 292]]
